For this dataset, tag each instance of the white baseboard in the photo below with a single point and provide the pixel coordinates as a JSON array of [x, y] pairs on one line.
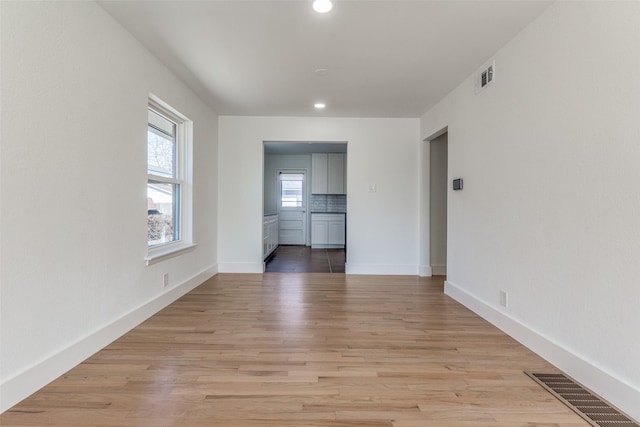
[[439, 269], [15, 389], [381, 269], [611, 388], [241, 267], [425, 271]]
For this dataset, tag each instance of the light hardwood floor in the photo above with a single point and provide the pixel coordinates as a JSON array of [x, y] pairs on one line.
[[296, 350]]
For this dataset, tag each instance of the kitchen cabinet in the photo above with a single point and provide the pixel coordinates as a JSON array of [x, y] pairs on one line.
[[319, 171], [328, 173], [327, 230], [269, 235], [319, 232], [335, 173], [336, 231]]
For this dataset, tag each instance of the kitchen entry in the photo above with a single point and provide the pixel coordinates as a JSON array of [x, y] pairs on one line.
[[305, 205]]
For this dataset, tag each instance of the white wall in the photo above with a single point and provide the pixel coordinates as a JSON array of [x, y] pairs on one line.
[[73, 169], [382, 226], [550, 207], [438, 204]]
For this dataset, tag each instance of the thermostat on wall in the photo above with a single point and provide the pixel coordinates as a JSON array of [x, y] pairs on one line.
[[457, 184]]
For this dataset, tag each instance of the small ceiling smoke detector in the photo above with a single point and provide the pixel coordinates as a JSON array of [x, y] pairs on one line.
[[321, 72], [319, 105], [322, 6]]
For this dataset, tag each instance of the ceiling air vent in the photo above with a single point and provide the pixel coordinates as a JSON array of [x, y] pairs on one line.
[[487, 76]]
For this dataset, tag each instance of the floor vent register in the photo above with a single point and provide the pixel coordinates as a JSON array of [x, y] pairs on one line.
[[592, 408]]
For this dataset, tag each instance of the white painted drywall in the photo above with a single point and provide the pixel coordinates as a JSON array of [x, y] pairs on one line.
[[382, 227], [550, 210], [73, 167], [438, 204]]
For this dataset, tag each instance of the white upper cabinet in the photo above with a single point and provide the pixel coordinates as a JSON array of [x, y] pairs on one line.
[[335, 178], [319, 171], [328, 173]]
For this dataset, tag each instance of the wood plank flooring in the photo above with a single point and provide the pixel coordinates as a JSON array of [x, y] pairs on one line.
[[320, 350]]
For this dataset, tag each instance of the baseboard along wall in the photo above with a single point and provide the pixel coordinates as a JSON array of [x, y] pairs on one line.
[[22, 385], [609, 387]]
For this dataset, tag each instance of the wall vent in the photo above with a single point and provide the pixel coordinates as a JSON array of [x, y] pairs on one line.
[[487, 76]]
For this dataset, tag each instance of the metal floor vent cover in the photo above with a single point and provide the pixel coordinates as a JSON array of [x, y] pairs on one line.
[[593, 409]]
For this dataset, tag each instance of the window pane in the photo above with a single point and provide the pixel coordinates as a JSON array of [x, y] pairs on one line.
[[162, 209], [291, 193], [161, 154], [161, 145]]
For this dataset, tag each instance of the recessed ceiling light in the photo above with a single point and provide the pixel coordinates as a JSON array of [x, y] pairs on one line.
[[319, 105], [322, 6]]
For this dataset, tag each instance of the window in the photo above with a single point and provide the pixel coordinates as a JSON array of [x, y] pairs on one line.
[[291, 189], [168, 190]]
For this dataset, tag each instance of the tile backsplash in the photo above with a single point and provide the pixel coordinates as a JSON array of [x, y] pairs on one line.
[[328, 203]]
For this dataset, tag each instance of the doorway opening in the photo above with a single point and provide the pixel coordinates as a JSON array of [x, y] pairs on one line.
[[304, 193], [438, 189]]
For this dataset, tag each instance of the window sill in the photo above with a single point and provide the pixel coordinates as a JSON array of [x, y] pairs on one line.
[[164, 254]]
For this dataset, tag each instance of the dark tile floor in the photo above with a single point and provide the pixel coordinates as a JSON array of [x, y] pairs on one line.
[[303, 259]]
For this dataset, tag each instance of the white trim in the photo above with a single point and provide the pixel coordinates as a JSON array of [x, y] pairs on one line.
[[439, 269], [425, 271], [166, 252], [160, 178], [241, 267], [611, 388], [436, 134], [23, 384], [382, 269]]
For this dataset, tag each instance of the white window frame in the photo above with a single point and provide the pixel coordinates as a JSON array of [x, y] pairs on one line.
[[184, 177]]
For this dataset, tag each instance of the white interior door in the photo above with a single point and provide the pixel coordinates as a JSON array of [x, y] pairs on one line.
[[292, 206]]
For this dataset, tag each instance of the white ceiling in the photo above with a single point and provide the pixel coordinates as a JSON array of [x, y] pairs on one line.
[[384, 58]]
